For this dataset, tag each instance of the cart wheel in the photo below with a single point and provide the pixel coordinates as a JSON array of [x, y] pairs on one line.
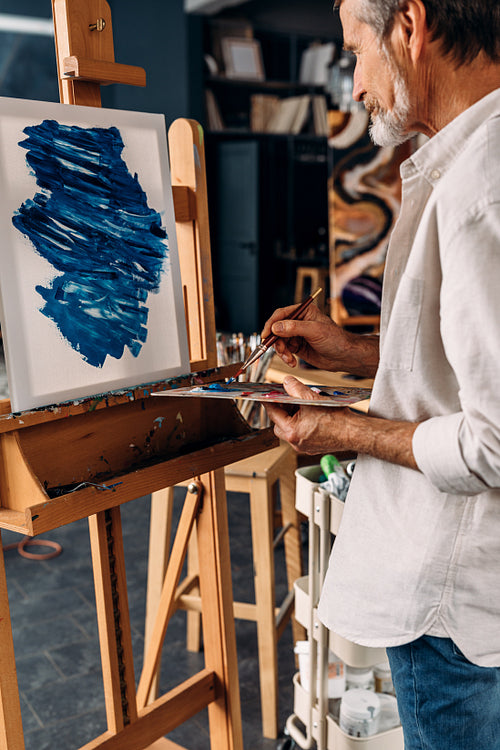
[[287, 744]]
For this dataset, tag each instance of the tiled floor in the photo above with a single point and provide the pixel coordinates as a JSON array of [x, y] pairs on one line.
[[56, 642]]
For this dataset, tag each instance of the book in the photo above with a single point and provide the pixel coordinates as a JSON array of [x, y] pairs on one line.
[[262, 109], [320, 115], [315, 63], [290, 115], [214, 117]]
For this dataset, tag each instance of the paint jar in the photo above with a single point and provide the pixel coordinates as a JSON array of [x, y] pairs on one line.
[[336, 671], [359, 713], [359, 678], [383, 678], [389, 714]]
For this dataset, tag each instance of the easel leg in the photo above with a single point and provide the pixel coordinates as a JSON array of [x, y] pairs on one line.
[[113, 618], [11, 726], [217, 612], [160, 529], [165, 607], [193, 619]]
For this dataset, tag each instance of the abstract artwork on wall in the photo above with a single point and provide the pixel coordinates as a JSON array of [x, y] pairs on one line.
[[89, 277], [364, 200]]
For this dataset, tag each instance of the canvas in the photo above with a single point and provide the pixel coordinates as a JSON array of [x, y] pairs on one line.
[[91, 295]]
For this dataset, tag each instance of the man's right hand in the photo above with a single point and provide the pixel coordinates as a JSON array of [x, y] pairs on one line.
[[316, 339]]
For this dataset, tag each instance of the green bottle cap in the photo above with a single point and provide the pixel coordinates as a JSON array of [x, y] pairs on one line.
[[329, 464]]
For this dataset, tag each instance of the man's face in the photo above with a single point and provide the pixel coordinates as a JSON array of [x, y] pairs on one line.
[[378, 81]]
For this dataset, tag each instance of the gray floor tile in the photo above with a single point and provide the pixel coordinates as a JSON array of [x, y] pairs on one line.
[[31, 722], [69, 734], [66, 699], [36, 670], [35, 637], [42, 606]]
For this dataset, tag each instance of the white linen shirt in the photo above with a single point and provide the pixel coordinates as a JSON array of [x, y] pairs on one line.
[[419, 551]]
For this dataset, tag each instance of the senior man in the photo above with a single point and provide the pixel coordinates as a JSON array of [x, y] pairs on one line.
[[416, 564]]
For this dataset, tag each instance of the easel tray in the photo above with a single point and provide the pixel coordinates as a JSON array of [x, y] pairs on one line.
[[112, 449]]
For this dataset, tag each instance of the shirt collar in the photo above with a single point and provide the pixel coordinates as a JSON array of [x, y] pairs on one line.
[[435, 157]]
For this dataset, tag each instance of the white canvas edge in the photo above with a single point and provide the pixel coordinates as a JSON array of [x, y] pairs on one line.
[[96, 117]]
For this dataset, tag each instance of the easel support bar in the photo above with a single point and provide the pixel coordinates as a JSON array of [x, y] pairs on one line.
[[167, 713], [83, 69]]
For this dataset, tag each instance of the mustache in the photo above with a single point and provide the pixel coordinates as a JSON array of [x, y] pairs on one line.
[[371, 104]]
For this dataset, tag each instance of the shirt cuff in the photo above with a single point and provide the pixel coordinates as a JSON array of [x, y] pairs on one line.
[[436, 448]]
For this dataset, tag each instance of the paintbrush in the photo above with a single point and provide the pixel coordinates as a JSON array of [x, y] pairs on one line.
[[269, 340]]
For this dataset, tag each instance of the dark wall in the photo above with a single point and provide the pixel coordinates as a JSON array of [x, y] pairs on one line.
[[156, 35], [27, 62], [153, 35], [35, 8]]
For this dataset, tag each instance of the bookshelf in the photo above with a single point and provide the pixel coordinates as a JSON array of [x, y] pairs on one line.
[[275, 97], [267, 160]]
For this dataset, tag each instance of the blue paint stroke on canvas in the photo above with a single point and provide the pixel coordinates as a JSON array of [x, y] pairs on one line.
[[92, 222]]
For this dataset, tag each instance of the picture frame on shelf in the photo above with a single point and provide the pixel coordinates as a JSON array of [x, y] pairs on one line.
[[243, 58]]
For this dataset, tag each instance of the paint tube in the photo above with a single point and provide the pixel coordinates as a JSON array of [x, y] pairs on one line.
[[337, 479]]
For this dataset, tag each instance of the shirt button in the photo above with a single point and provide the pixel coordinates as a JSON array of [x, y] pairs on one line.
[[435, 174]]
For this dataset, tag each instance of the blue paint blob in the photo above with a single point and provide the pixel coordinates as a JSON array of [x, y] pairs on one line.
[[92, 222]]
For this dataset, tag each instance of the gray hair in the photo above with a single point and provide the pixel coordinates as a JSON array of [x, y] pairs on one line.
[[465, 28]]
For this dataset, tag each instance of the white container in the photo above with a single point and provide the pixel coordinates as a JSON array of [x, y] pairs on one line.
[[338, 740], [389, 714], [359, 678], [306, 483], [336, 670], [359, 713], [383, 678]]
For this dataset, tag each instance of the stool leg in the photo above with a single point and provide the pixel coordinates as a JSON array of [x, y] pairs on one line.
[[292, 540], [261, 513]]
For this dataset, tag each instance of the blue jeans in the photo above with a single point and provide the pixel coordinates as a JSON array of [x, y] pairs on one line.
[[445, 702]]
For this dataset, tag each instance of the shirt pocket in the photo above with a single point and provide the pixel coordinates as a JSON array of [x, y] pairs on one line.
[[400, 337]]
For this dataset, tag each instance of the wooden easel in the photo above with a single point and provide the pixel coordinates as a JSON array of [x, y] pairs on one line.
[[74, 461]]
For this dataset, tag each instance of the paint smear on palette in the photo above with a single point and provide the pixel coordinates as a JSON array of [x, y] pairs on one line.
[[326, 395], [92, 222]]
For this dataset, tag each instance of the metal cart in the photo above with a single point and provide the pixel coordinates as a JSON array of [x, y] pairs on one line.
[[311, 724]]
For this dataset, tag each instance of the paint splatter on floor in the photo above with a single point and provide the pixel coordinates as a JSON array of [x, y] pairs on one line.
[[92, 222]]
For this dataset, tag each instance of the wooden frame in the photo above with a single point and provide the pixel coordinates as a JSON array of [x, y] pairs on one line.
[[243, 58], [41, 324]]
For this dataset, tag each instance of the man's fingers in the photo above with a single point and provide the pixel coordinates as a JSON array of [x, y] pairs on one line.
[[279, 314], [297, 389], [289, 328]]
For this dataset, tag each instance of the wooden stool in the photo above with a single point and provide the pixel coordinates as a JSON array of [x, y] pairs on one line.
[[307, 281], [339, 314], [258, 476]]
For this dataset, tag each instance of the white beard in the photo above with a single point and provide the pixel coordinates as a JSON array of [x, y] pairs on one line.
[[388, 128]]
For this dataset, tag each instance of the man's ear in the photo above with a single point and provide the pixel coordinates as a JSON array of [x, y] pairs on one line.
[[410, 29]]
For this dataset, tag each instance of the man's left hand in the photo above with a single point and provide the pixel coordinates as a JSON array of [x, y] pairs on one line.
[[309, 429]]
